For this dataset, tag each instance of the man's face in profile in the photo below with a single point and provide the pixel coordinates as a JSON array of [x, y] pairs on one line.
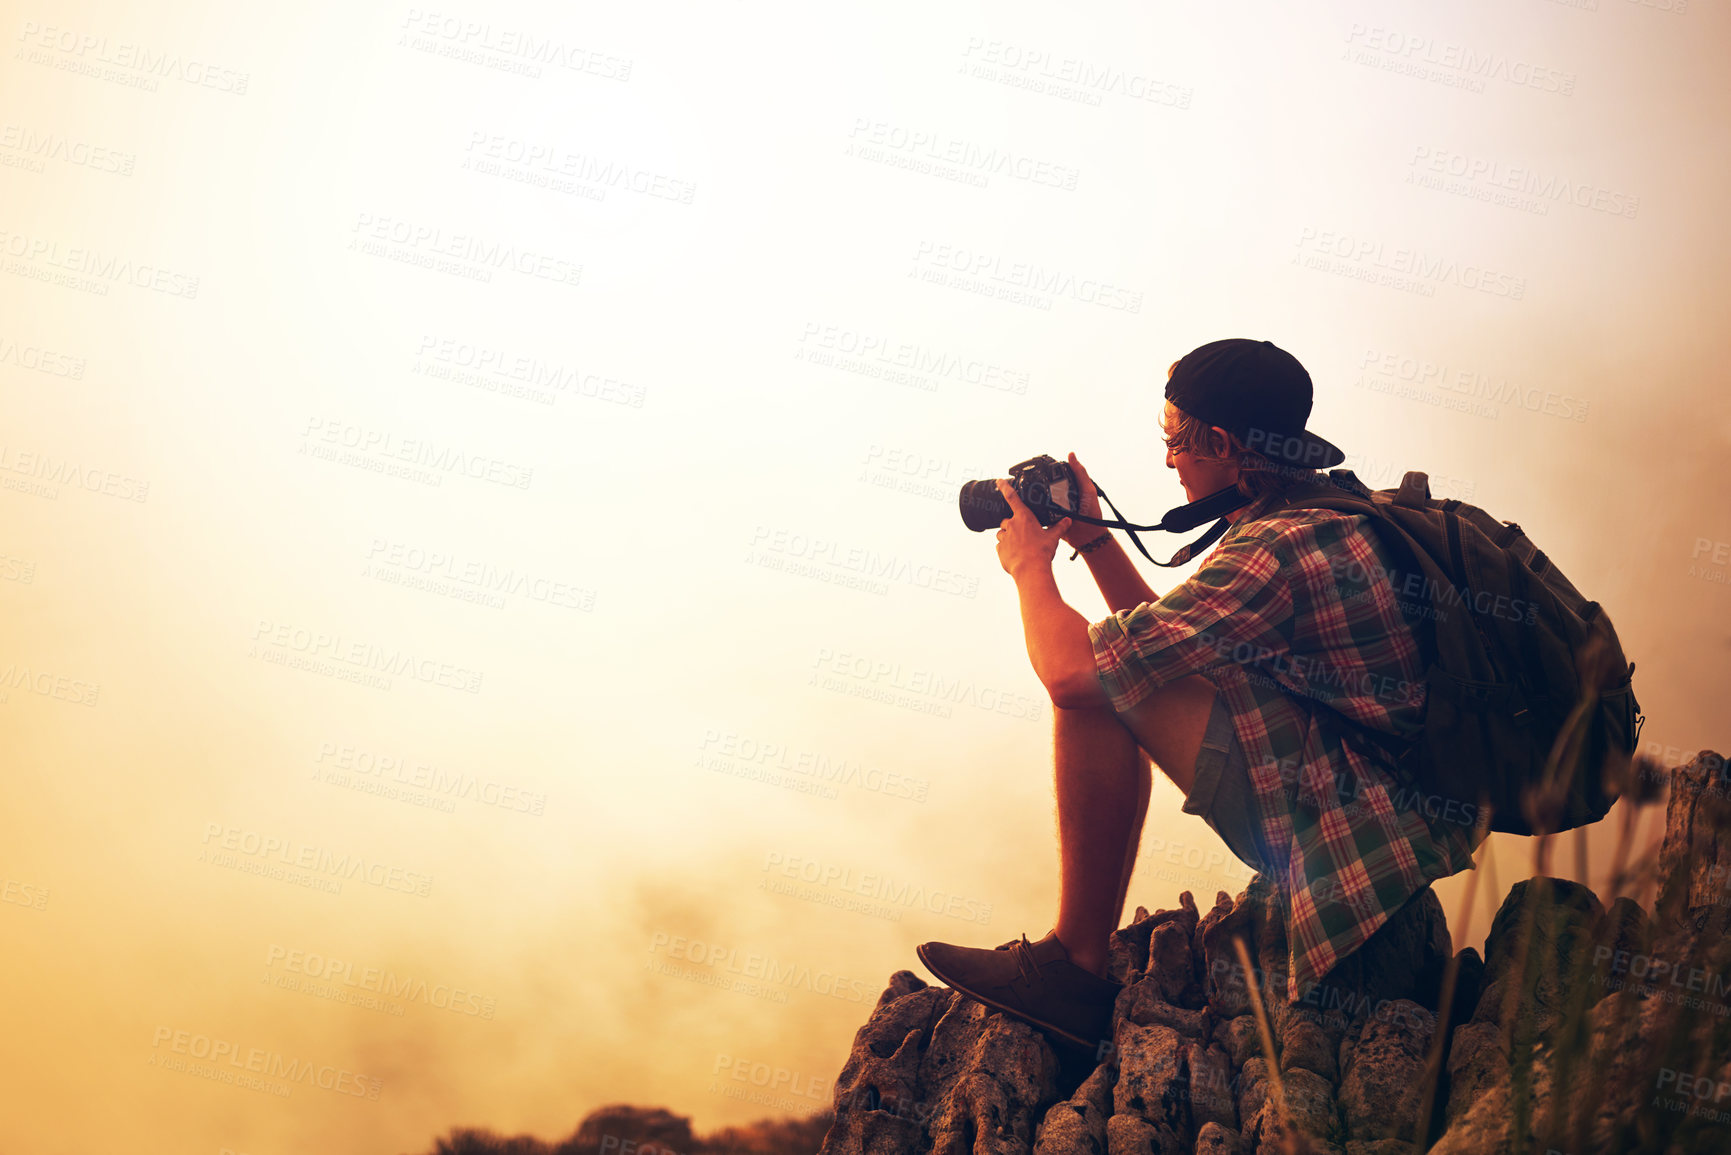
[[1199, 475]]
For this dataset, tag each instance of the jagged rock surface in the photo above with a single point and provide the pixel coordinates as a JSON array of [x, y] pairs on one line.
[[1597, 1001]]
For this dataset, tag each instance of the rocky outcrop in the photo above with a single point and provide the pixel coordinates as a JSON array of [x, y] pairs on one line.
[[1626, 1015], [933, 1071]]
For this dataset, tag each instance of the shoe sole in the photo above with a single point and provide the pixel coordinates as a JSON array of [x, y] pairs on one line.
[[1024, 1016]]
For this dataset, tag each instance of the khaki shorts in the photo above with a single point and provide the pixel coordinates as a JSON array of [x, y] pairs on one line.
[[1221, 794]]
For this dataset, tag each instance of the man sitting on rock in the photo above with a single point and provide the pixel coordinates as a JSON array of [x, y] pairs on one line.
[[1235, 682]]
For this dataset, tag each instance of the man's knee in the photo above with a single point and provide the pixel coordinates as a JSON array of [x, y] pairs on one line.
[[1169, 725]]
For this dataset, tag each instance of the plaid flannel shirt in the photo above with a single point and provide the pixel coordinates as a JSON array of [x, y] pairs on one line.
[[1291, 616]]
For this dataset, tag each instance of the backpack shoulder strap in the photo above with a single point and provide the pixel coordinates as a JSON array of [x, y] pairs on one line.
[[1343, 492]]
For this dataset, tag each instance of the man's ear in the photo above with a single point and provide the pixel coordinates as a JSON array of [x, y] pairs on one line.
[[1219, 442]]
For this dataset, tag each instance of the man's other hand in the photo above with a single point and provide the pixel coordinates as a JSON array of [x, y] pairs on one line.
[[1081, 533], [1022, 540]]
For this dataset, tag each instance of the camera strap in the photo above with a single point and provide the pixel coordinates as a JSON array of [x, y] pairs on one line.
[[1179, 520]]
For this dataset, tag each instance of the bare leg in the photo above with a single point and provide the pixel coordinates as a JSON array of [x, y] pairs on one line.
[[1146, 782], [1102, 781]]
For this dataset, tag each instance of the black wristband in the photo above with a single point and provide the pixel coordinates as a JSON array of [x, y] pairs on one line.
[[1091, 546]]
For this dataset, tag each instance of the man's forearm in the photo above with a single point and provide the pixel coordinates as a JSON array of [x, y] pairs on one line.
[[1058, 645], [1115, 574]]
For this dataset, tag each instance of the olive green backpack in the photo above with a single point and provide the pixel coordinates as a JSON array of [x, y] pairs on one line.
[[1531, 706]]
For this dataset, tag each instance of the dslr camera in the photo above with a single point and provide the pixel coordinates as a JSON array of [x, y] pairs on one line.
[[1046, 486]]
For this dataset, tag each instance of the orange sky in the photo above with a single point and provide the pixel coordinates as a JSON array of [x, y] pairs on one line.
[[487, 626]]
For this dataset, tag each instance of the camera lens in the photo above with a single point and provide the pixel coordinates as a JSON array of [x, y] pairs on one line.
[[983, 507]]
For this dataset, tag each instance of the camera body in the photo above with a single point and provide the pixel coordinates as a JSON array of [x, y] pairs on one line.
[[1046, 486]]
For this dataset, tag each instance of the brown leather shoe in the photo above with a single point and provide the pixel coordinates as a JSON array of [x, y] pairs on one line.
[[1034, 981]]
